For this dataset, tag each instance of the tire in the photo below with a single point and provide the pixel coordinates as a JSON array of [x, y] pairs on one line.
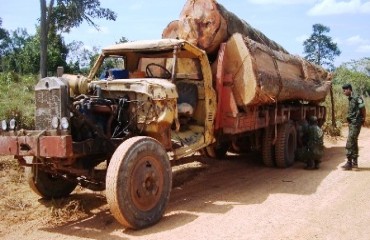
[[48, 185], [138, 182], [268, 150], [286, 145]]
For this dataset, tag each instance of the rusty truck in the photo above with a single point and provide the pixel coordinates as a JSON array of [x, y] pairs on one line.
[[143, 106]]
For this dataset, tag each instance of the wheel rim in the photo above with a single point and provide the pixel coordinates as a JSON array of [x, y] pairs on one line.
[[146, 183]]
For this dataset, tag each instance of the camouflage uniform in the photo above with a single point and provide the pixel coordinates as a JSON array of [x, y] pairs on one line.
[[355, 121], [315, 144]]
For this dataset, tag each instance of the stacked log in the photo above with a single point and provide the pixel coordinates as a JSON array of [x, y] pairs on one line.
[[206, 24], [263, 76]]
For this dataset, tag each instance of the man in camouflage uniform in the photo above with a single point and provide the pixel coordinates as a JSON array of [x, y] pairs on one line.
[[356, 118], [314, 144]]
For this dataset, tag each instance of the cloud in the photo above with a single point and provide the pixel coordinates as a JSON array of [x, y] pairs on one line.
[[281, 2], [365, 7], [361, 45], [356, 40], [333, 7]]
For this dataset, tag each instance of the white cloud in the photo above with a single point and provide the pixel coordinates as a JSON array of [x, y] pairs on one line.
[[281, 2], [365, 7], [332, 7], [356, 40], [361, 45]]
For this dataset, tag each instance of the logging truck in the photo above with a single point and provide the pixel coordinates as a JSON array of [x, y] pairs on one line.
[[146, 105]]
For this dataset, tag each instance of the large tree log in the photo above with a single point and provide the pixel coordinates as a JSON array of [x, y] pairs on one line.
[[264, 76], [207, 24]]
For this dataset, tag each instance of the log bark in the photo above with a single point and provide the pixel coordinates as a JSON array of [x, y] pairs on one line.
[[171, 31], [263, 76], [207, 24]]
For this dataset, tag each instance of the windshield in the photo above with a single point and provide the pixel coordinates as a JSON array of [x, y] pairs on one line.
[[149, 65]]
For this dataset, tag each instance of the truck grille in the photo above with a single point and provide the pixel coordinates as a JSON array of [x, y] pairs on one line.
[[51, 101]]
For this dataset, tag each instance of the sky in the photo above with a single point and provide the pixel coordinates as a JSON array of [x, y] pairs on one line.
[[288, 22]]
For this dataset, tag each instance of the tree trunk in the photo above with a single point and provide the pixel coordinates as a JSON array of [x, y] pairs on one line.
[[264, 76], [44, 31], [207, 24], [43, 40], [333, 120]]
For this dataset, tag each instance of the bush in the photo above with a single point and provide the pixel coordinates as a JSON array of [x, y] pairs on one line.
[[18, 99]]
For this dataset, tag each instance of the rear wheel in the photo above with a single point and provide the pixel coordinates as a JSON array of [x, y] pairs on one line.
[[268, 150], [47, 185], [138, 182], [286, 145]]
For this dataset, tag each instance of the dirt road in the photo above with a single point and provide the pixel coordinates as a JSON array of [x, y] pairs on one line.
[[233, 199]]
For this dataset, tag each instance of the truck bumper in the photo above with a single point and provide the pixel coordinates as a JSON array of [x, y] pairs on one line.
[[32, 144]]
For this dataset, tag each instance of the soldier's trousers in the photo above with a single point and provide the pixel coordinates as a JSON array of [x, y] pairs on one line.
[[352, 141]]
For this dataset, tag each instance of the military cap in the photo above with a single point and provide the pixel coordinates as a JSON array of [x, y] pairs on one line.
[[347, 86]]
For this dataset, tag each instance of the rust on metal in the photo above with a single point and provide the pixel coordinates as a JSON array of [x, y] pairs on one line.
[[8, 145], [56, 146]]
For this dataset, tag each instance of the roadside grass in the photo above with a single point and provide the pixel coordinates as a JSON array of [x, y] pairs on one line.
[[30, 207], [17, 98]]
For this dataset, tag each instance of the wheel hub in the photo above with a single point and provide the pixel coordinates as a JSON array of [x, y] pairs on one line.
[[147, 185]]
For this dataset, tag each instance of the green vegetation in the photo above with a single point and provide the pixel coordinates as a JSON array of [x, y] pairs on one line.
[[17, 98]]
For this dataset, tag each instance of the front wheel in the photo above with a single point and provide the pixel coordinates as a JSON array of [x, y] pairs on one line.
[[47, 185], [138, 182]]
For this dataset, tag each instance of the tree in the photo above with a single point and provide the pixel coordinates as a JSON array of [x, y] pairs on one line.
[[12, 59], [360, 81], [22, 50], [320, 48], [80, 57], [4, 43], [362, 65], [64, 16]]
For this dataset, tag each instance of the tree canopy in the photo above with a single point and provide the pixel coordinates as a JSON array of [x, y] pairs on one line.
[[63, 15], [319, 48], [357, 73]]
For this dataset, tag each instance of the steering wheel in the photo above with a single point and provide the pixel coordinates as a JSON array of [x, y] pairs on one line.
[[167, 74]]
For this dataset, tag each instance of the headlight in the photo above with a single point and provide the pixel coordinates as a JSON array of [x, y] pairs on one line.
[[64, 123], [55, 122], [4, 125], [12, 124]]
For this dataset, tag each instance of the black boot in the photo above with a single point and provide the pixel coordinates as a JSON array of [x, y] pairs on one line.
[[348, 165], [309, 164], [354, 164], [317, 164]]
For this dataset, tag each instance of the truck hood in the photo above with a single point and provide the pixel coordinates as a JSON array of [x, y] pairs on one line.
[[153, 87]]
